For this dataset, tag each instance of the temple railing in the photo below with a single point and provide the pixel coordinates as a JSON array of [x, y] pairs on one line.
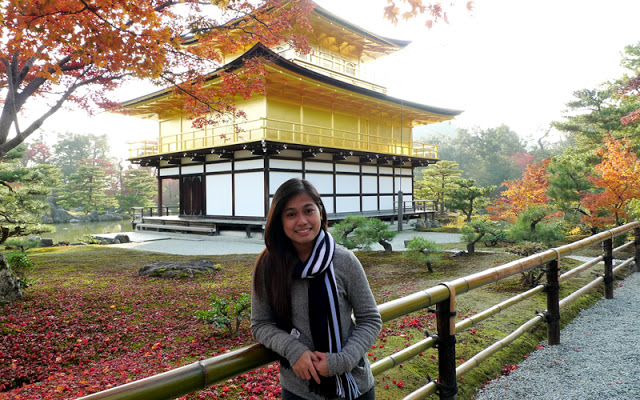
[[198, 375], [283, 132]]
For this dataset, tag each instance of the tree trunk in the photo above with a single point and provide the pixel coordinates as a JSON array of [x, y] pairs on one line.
[[471, 247], [386, 245]]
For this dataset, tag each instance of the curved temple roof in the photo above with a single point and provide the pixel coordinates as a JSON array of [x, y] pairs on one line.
[[149, 104]]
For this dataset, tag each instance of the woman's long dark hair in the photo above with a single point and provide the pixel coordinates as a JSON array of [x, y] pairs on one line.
[[273, 272]]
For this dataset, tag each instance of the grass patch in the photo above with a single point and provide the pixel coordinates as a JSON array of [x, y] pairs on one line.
[[91, 322]]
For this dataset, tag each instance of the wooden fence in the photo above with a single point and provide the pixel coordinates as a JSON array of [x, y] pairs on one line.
[[204, 373]]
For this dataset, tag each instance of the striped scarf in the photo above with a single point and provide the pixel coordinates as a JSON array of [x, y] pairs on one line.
[[324, 314]]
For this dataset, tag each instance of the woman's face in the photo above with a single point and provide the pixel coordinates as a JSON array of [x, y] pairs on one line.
[[301, 221]]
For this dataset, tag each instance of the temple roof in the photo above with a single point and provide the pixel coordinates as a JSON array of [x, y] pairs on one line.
[[336, 33], [299, 79]]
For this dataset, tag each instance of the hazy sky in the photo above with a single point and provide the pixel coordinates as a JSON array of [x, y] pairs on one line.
[[510, 61]]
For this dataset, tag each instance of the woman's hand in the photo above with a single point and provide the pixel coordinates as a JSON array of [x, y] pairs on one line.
[[321, 365], [305, 366]]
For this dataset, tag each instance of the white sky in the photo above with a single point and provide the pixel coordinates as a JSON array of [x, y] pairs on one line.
[[511, 61]]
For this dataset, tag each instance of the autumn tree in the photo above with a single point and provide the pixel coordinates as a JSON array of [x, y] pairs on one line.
[[77, 52], [438, 180], [37, 153], [530, 190], [468, 198], [617, 178], [427, 12]]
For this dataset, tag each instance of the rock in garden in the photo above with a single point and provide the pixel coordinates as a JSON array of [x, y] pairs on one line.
[[60, 216], [178, 270], [9, 285], [46, 242], [94, 216], [122, 239]]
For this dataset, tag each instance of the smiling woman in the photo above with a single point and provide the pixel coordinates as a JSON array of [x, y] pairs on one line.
[[305, 290]]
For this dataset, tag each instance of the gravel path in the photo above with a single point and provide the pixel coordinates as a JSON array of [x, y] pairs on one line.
[[236, 242], [598, 358]]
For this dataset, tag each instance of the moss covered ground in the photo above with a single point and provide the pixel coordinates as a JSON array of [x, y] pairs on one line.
[[90, 322]]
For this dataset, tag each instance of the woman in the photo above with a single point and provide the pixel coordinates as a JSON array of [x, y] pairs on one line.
[[304, 292]]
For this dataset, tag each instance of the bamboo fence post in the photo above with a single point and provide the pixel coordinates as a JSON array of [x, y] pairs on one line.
[[553, 304], [446, 322], [608, 268], [636, 237]]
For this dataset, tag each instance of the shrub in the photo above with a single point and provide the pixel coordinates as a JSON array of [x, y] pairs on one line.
[[530, 278], [423, 251], [226, 312], [22, 267], [481, 229], [22, 244], [531, 227], [361, 232]]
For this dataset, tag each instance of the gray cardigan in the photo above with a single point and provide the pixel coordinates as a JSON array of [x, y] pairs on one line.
[[357, 338]]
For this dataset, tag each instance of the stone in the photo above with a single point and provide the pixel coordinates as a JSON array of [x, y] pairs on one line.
[[110, 217], [46, 242], [178, 270], [33, 238], [46, 219], [61, 216], [9, 285], [94, 216], [122, 239]]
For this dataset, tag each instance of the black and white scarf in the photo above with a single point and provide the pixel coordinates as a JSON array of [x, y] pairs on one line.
[[324, 314]]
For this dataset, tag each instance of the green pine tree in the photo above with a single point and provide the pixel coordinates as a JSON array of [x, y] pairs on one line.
[[23, 194], [138, 189]]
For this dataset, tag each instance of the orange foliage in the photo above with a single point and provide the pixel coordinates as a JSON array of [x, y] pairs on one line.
[[80, 50], [618, 177], [530, 190], [409, 9]]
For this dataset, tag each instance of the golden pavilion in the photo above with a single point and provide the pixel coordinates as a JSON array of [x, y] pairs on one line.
[[319, 119]]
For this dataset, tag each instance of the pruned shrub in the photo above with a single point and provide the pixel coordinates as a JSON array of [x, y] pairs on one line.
[[226, 312], [481, 229], [361, 232], [531, 226], [423, 251]]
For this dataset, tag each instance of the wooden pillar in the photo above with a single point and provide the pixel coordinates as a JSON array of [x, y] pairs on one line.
[[608, 268], [400, 210], [553, 304], [446, 322], [159, 197]]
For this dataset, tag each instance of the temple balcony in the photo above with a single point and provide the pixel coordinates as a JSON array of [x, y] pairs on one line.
[[282, 132]]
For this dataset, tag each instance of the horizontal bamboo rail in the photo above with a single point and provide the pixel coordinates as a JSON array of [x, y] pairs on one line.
[[201, 374]]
